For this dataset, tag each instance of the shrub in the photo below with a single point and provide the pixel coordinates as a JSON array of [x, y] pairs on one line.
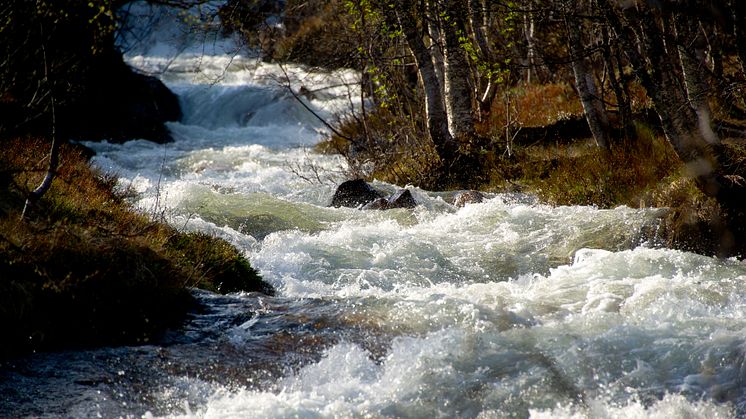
[[385, 147]]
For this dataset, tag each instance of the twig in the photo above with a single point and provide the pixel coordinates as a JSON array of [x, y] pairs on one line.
[[308, 108], [37, 193]]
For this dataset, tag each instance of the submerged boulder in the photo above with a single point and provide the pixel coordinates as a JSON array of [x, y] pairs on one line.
[[354, 193]]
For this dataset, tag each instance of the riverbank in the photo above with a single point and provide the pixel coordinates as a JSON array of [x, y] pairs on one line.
[[84, 268], [551, 155]]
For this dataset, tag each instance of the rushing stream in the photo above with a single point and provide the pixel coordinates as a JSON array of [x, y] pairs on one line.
[[506, 308]]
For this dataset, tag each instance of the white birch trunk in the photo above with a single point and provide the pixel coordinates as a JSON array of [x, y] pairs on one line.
[[458, 88], [593, 107]]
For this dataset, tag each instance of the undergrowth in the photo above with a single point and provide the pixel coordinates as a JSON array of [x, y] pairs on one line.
[[626, 174], [84, 268], [386, 148]]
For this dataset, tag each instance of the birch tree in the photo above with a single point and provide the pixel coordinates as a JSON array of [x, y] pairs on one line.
[[458, 87], [644, 33], [435, 110], [585, 82]]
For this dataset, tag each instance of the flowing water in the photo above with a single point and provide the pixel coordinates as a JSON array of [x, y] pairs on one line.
[[506, 308]]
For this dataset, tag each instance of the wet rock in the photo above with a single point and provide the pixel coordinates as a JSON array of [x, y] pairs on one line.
[[378, 204], [468, 197], [307, 93], [354, 193], [136, 106], [359, 194], [401, 199]]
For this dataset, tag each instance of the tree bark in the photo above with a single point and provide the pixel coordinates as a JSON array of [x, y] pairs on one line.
[[619, 84], [458, 92], [739, 23], [691, 48], [655, 66], [435, 111], [529, 28], [436, 47], [593, 107], [486, 89]]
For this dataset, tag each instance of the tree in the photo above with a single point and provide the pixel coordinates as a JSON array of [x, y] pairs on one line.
[[663, 60], [585, 82], [62, 77], [436, 116], [459, 84]]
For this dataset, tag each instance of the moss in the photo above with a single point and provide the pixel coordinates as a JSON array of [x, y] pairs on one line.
[[85, 269], [229, 270]]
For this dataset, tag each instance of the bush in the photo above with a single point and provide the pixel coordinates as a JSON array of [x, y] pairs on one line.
[[314, 33], [385, 147]]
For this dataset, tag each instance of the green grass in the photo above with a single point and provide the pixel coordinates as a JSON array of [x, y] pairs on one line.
[[84, 268]]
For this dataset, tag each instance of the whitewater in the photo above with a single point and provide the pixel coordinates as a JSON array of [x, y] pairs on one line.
[[505, 308]]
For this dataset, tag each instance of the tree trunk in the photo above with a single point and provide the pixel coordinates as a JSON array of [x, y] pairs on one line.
[[678, 119], [458, 84], [436, 47], [435, 111], [593, 107], [54, 153], [618, 83], [487, 88], [529, 28], [691, 48], [739, 23]]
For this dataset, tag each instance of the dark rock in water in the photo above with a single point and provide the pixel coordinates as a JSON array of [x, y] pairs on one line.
[[378, 204], [120, 104], [354, 194], [145, 105], [99, 97], [359, 194], [468, 197], [401, 199]]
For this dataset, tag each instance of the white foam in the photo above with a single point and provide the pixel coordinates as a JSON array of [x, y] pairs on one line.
[[506, 307]]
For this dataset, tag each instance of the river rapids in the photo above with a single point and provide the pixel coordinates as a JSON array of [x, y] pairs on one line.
[[506, 308]]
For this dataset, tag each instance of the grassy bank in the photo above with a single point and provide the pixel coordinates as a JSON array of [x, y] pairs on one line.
[[84, 268]]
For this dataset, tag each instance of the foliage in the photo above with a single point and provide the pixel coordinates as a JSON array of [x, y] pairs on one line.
[[386, 148], [311, 32], [84, 268]]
